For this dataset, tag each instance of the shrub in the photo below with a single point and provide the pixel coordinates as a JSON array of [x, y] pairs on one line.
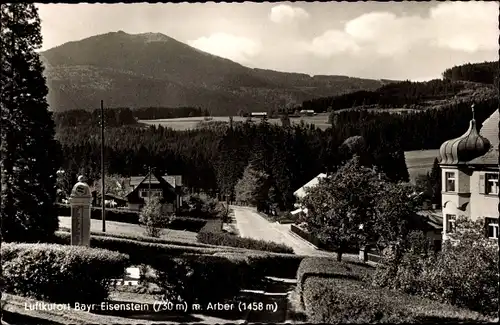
[[61, 274], [187, 224], [350, 301], [201, 206], [152, 217], [325, 267], [225, 239], [464, 274], [202, 279], [119, 215], [213, 227]]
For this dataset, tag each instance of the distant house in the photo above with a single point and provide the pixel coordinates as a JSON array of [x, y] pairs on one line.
[[109, 199], [301, 192], [307, 112], [167, 188], [258, 114]]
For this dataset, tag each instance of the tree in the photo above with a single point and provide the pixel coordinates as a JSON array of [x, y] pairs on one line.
[[29, 153], [356, 207], [435, 184], [252, 187], [152, 217]]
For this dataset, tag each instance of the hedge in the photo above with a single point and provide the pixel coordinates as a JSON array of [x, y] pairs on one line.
[[128, 216], [341, 300], [316, 242], [225, 239], [145, 239], [203, 279], [60, 274], [325, 267], [270, 264]]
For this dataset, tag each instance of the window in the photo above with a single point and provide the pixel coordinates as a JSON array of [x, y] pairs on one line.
[[491, 183], [450, 181], [492, 227], [154, 193], [450, 223]]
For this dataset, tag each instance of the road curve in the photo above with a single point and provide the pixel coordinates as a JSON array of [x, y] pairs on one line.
[[251, 225]]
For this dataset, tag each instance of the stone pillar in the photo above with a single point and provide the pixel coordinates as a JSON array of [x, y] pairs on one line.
[[80, 201]]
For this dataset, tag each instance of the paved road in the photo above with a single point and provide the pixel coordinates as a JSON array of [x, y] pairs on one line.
[[250, 224]]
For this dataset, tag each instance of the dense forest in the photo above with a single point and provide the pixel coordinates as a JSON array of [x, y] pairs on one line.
[[405, 94], [214, 156], [486, 72], [114, 117]]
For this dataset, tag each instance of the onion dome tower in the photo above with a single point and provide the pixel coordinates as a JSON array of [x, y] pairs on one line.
[[464, 148]]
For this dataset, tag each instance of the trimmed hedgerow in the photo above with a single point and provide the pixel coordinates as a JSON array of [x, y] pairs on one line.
[[58, 273], [202, 279], [326, 267], [341, 300], [119, 215], [225, 239], [145, 239]]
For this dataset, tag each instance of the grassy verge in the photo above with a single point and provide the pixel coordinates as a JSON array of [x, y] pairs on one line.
[[114, 227]]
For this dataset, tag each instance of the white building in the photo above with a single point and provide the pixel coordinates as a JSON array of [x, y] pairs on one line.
[[469, 167]]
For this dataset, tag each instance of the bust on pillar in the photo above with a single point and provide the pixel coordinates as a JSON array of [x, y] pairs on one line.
[[80, 200]]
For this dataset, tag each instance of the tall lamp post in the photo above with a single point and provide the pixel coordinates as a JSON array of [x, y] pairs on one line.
[[103, 176]]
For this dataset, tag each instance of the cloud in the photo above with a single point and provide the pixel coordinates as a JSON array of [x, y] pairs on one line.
[[460, 26], [285, 14], [236, 48]]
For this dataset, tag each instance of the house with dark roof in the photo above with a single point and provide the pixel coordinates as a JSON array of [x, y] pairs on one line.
[[166, 187], [469, 166]]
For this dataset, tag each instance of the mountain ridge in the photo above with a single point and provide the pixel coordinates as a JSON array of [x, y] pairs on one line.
[[153, 69]]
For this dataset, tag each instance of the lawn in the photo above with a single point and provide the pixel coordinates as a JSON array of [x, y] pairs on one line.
[[419, 162], [185, 123], [114, 227]]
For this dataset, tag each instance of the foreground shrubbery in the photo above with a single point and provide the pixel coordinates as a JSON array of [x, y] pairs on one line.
[[225, 239], [464, 274], [119, 215], [340, 300], [203, 279], [340, 292], [57, 273], [212, 234], [201, 206], [217, 277]]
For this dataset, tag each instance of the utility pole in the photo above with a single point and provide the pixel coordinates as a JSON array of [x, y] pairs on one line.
[[102, 170], [149, 193]]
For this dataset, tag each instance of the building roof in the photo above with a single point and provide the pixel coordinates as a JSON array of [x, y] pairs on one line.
[[301, 192], [465, 148], [171, 180], [489, 130]]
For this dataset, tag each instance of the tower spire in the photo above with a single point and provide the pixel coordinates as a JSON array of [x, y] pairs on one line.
[[473, 111]]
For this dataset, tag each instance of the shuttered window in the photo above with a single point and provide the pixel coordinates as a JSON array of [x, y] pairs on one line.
[[482, 183]]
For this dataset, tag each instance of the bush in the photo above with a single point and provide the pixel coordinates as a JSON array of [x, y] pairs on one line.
[[325, 267], [201, 206], [342, 300], [213, 227], [464, 274], [119, 215], [202, 279], [187, 224], [61, 274], [152, 218], [225, 239]]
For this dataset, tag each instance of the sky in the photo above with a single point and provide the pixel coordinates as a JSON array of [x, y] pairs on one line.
[[379, 40]]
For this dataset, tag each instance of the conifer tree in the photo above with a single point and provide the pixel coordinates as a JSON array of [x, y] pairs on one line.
[[29, 152]]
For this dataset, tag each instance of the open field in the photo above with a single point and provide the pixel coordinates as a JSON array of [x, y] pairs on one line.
[[114, 227], [419, 162], [186, 123]]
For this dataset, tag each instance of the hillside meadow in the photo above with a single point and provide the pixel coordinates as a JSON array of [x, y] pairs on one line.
[[186, 123]]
